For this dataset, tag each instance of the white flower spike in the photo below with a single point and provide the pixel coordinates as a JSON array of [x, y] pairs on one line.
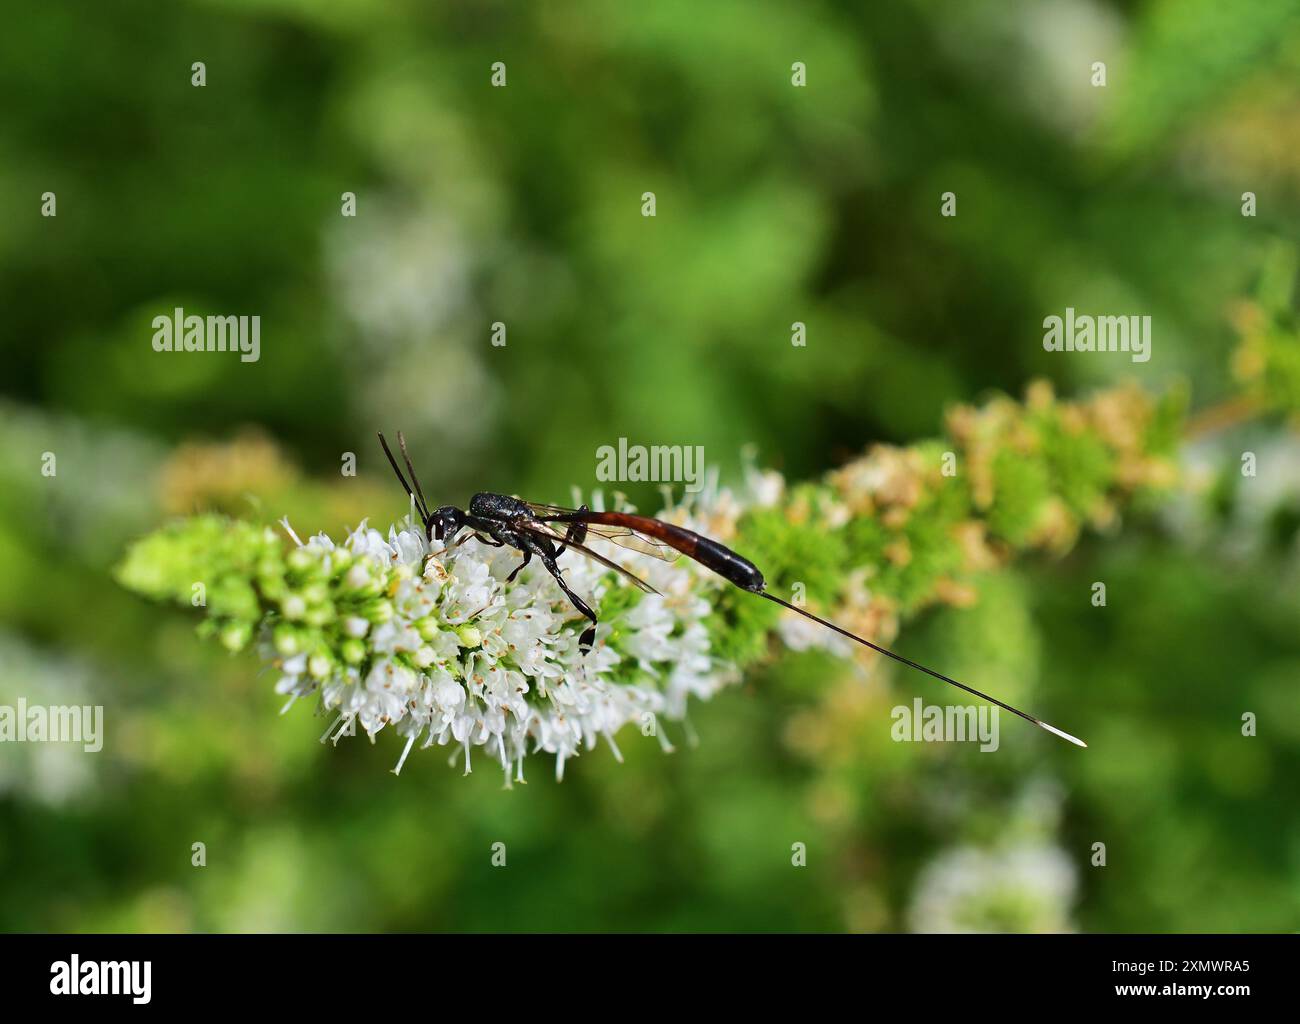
[[453, 655]]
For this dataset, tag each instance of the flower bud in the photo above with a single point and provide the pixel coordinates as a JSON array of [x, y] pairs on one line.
[[286, 639], [353, 651], [235, 635]]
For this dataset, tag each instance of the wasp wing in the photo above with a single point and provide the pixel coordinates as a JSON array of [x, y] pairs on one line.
[[623, 536], [545, 531]]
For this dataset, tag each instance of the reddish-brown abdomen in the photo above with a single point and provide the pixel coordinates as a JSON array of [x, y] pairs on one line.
[[709, 553]]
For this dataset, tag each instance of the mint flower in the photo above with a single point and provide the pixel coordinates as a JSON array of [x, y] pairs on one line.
[[392, 631], [436, 644]]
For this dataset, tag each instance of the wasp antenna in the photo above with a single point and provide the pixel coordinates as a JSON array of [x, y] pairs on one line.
[[921, 668], [401, 442], [424, 512]]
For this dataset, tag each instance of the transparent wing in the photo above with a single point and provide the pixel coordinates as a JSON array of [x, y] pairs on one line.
[[623, 536], [543, 530], [545, 511]]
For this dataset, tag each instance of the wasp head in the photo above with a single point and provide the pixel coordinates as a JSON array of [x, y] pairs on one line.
[[444, 523]]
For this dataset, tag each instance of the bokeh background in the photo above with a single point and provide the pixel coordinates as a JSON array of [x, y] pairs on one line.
[[523, 205]]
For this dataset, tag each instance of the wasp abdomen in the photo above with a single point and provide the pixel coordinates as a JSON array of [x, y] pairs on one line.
[[709, 553], [727, 564]]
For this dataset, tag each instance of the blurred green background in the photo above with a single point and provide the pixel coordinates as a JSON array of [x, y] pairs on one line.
[[522, 204]]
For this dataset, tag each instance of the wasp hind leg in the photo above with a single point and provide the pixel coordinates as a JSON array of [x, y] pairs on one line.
[[576, 534], [589, 634]]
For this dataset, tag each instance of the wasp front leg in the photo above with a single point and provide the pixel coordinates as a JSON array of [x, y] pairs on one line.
[[528, 557]]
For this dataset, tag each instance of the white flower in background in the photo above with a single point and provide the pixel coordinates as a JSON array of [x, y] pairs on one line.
[[1025, 887], [1215, 463], [49, 772], [401, 275], [801, 634], [1051, 41], [87, 511]]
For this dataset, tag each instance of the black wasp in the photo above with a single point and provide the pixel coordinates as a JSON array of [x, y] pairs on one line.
[[548, 531]]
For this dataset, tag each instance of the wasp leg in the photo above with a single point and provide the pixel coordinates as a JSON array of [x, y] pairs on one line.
[[589, 634], [480, 538], [577, 534], [528, 557]]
